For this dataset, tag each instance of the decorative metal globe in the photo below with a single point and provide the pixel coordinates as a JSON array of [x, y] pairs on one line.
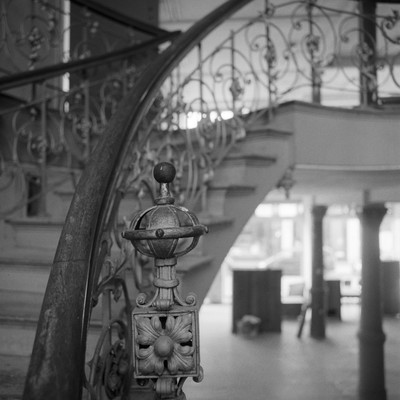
[[159, 231]]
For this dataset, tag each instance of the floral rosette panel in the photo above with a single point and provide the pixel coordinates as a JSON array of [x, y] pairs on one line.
[[167, 344]]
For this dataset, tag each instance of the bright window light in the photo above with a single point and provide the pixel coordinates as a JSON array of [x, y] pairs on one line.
[[192, 119], [264, 211], [227, 114], [287, 210], [213, 116]]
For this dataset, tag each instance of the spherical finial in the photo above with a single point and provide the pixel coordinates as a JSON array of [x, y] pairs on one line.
[[164, 172]]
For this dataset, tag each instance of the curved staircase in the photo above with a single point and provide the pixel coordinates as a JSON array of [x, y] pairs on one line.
[[332, 154], [241, 182], [250, 172]]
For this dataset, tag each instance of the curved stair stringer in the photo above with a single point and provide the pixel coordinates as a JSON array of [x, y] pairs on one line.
[[265, 155]]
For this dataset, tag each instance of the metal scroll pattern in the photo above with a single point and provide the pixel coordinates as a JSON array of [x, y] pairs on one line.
[[300, 50], [59, 131], [291, 48], [201, 112], [56, 122], [38, 33], [206, 103]]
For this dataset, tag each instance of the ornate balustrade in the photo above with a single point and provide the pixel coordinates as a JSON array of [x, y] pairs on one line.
[[301, 50], [190, 106], [65, 67], [297, 50], [39, 33]]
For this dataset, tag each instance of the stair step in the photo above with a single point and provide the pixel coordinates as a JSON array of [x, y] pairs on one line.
[[43, 233], [239, 189], [266, 132], [12, 376], [30, 279], [24, 274], [217, 195], [21, 256], [36, 232], [23, 306], [23, 278], [235, 168], [17, 339], [18, 336], [262, 141], [248, 159]]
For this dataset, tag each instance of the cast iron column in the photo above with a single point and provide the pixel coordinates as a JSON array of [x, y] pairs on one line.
[[371, 336], [317, 329]]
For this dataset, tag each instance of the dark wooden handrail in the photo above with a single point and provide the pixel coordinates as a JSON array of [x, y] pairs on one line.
[[56, 367], [123, 19], [42, 74]]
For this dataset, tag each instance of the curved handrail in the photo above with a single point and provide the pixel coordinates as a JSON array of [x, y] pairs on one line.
[[123, 19], [57, 361], [39, 75]]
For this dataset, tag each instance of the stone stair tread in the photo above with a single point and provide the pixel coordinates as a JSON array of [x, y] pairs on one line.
[[233, 187], [18, 335], [267, 131], [18, 321], [12, 376], [20, 306], [36, 221], [27, 257], [251, 158]]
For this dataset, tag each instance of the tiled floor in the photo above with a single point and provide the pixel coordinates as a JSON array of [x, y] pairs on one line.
[[271, 366], [279, 366]]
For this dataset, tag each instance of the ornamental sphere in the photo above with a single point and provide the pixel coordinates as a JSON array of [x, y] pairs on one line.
[[164, 172]]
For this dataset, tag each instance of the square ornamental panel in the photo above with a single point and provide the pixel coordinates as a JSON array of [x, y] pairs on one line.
[[166, 344]]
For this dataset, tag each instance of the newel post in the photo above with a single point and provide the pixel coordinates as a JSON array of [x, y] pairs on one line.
[[165, 327]]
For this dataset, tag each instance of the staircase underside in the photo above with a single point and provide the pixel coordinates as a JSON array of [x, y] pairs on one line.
[[342, 155]]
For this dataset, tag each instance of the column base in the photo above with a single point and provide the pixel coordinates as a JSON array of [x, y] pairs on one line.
[[372, 395]]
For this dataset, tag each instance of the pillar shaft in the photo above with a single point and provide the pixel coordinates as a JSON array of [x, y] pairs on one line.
[[317, 329], [371, 335]]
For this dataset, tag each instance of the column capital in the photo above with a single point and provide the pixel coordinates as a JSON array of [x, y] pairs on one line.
[[373, 212], [318, 211]]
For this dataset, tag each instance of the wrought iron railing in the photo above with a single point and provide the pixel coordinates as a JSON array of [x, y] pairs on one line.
[[57, 102], [39, 33], [297, 50], [190, 113]]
